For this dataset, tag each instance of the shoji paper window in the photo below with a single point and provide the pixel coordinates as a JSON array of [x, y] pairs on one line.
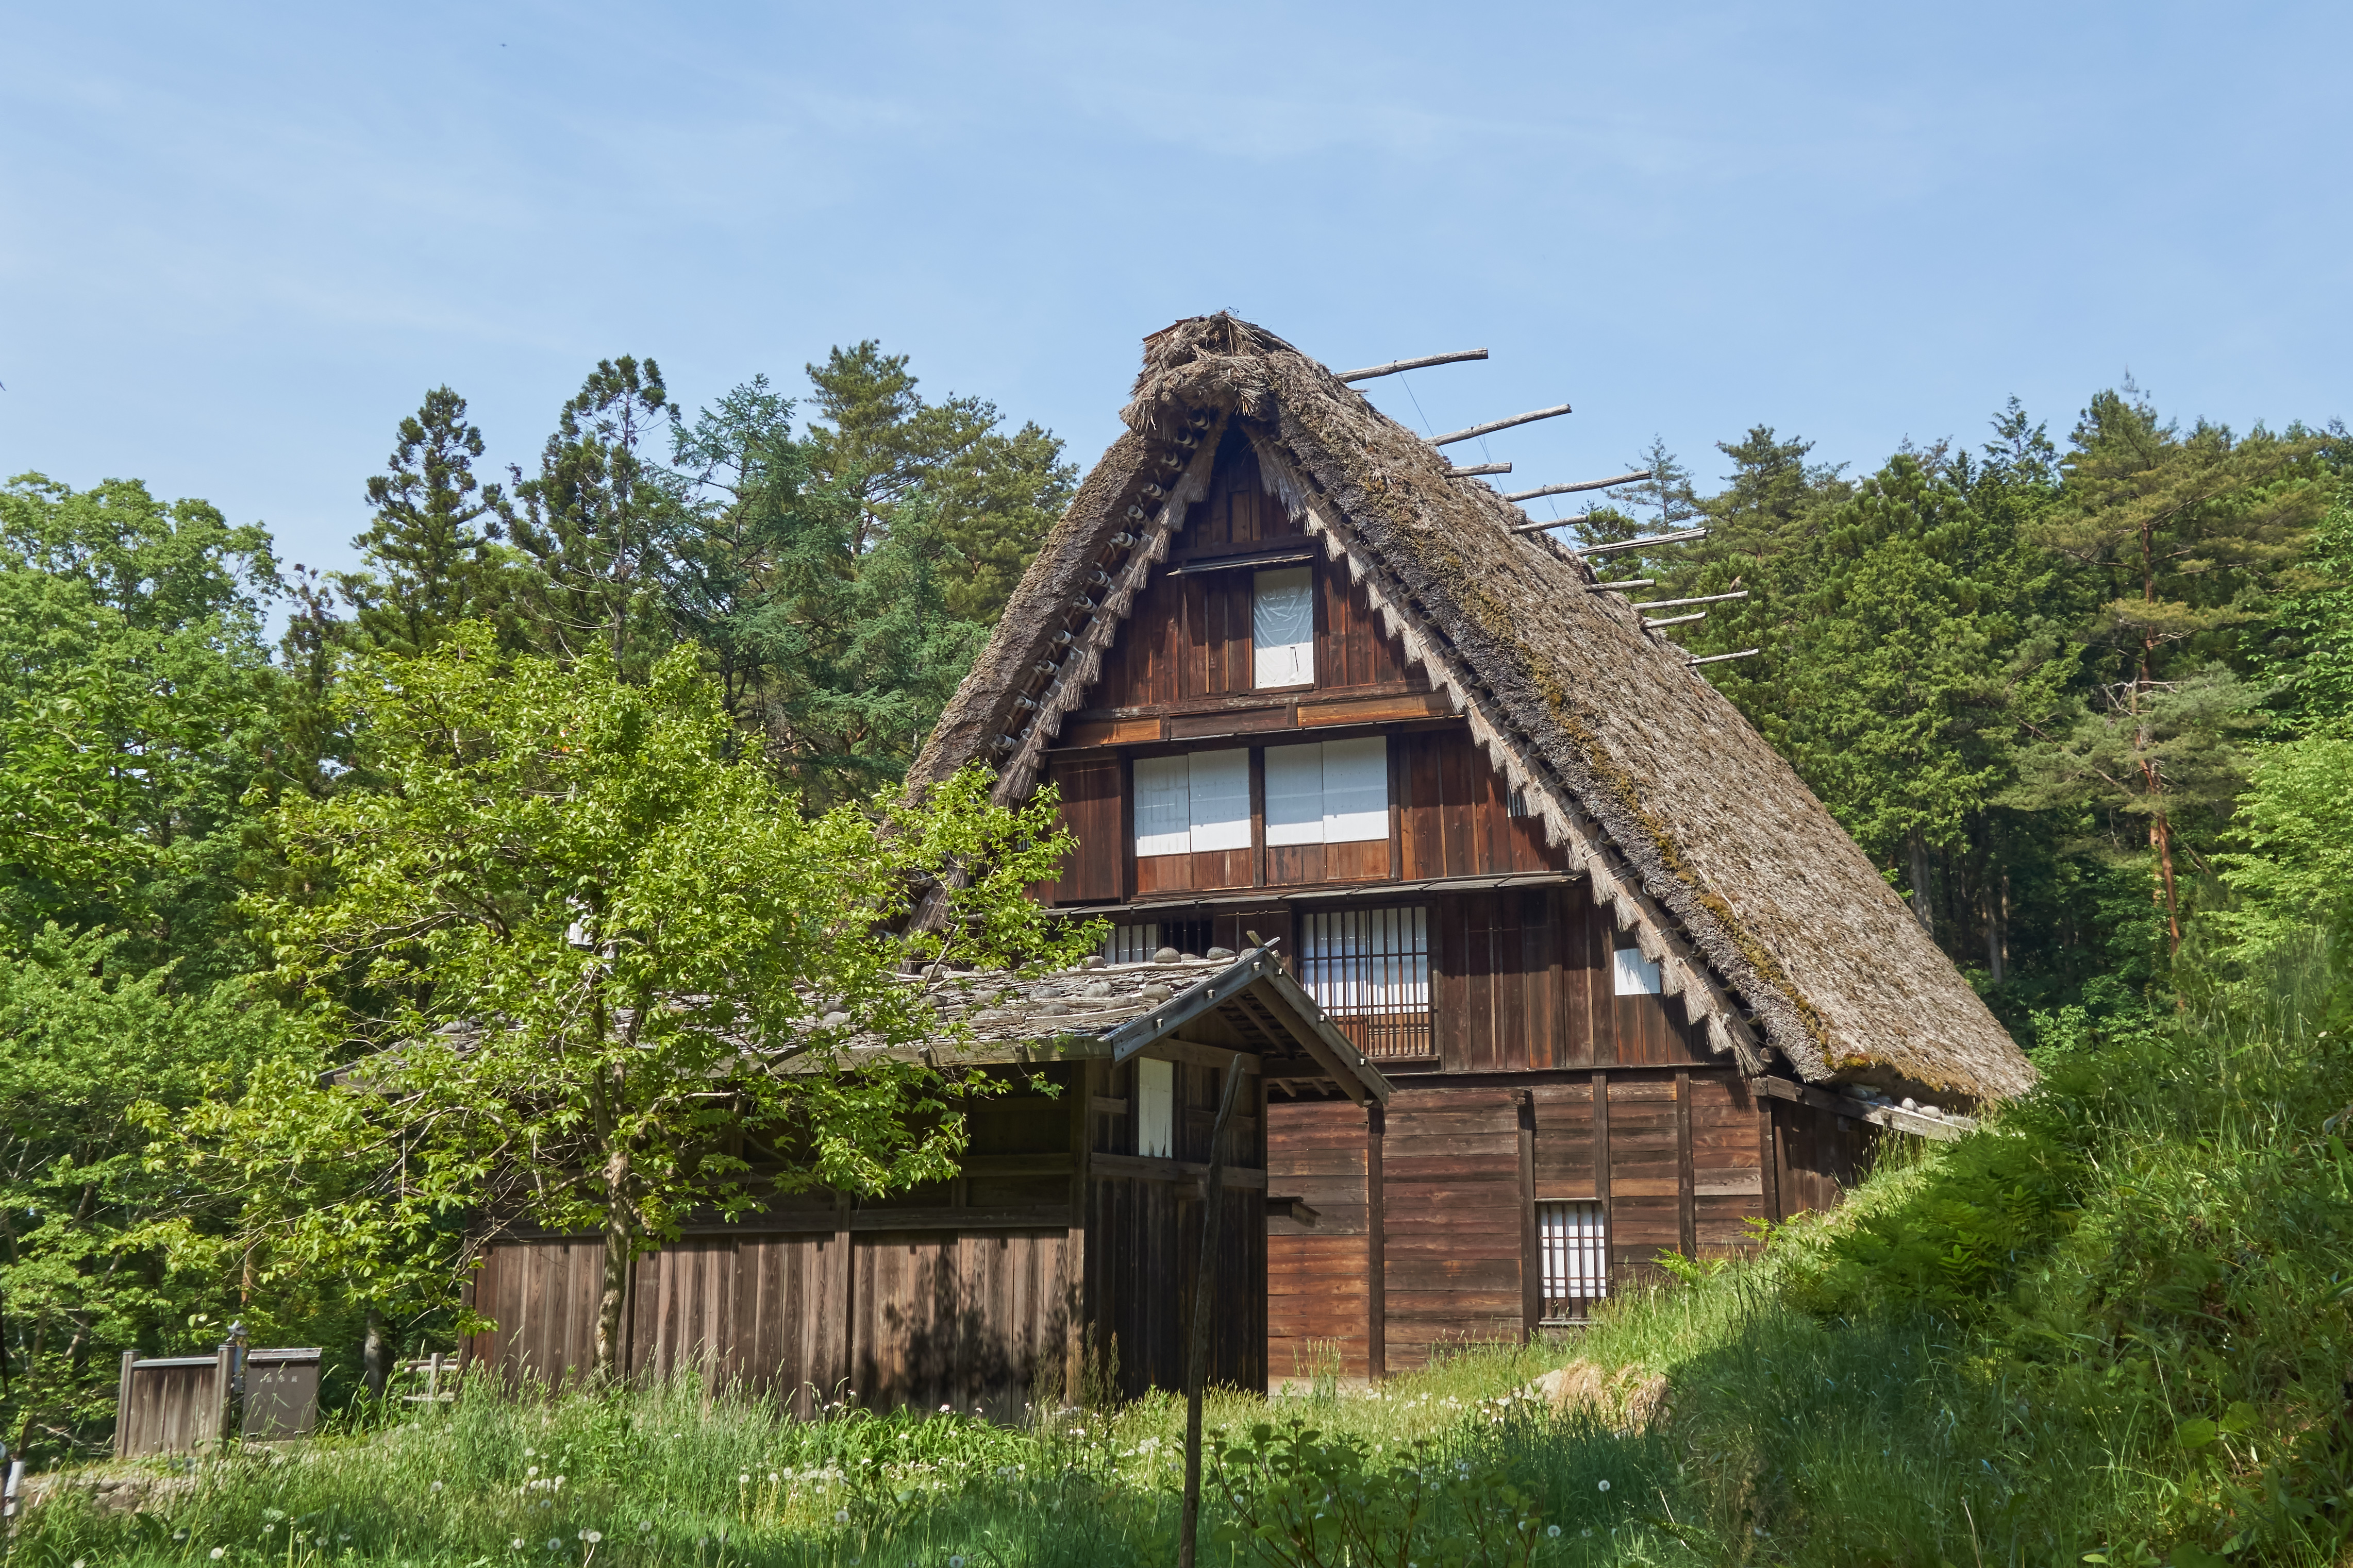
[[1282, 628], [1636, 975], [1370, 971], [1329, 791], [1156, 1107], [1192, 802]]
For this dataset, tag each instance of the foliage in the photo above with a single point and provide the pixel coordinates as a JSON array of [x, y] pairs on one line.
[[583, 968], [432, 548], [135, 706], [84, 1037]]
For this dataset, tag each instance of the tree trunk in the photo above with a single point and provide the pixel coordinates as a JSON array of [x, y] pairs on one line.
[[2160, 844], [620, 1237], [376, 1354], [1918, 848]]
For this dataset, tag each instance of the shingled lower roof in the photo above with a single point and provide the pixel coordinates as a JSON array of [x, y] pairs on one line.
[[1769, 924]]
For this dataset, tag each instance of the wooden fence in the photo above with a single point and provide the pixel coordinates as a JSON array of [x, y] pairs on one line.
[[174, 1404]]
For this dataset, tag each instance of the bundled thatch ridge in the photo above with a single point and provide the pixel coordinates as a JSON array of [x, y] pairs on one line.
[[1769, 924]]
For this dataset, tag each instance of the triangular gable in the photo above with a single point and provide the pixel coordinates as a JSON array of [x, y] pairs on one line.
[[1765, 919]]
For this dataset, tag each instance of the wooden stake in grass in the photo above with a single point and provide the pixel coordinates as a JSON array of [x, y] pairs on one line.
[[1198, 1370]]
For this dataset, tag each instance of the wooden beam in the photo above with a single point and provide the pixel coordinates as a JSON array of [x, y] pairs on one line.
[[1296, 1209], [1686, 1207], [1148, 1168], [1675, 620], [1702, 599], [1195, 1054], [1579, 485], [1720, 657], [1489, 428], [1619, 546], [1475, 469], [1540, 526], [1623, 583], [1941, 1129], [1372, 370], [1205, 1274]]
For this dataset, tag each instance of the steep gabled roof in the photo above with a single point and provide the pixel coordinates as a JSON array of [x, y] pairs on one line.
[[1768, 923]]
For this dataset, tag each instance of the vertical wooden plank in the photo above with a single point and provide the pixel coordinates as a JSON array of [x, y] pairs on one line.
[[1601, 1176], [842, 1365], [123, 1406], [1084, 1081], [1686, 1214], [1531, 1272], [1455, 784], [1377, 1310], [1767, 1163]]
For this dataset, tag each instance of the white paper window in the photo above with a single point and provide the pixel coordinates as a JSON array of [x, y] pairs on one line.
[[1328, 792], [1191, 803], [1294, 794], [1575, 1243], [1156, 1107], [1370, 971], [1355, 790], [1282, 626], [1219, 819], [1636, 975]]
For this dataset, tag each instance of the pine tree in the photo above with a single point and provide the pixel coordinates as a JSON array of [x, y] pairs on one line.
[[431, 551], [598, 520], [2198, 537]]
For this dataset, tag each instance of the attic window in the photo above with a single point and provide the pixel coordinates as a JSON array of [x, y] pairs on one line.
[[1328, 792], [1132, 945], [1188, 804], [1519, 804], [1636, 975], [1282, 628]]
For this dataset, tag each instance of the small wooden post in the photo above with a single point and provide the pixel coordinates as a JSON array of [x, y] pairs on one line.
[[1376, 1297], [122, 1405], [1531, 1256], [1197, 1372], [1686, 1206]]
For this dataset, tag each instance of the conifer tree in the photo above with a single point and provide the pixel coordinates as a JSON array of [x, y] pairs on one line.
[[431, 550], [2198, 538], [596, 521]]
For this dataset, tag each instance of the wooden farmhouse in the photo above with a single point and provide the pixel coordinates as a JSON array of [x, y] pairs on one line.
[[1298, 681], [1060, 1246], [1536, 961]]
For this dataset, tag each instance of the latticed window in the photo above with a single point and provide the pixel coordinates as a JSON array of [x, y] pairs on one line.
[[1369, 969], [1137, 943], [1574, 1241]]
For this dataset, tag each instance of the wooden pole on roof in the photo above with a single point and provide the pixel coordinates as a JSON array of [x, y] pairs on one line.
[[1579, 485], [1477, 468], [1493, 425], [1197, 1370], [1619, 546], [1395, 365]]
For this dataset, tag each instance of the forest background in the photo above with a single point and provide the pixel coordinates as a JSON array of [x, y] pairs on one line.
[[2087, 700]]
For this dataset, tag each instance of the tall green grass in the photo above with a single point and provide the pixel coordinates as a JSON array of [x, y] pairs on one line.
[[2113, 1326]]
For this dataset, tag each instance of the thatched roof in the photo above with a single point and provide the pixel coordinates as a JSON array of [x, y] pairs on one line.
[[1769, 923]]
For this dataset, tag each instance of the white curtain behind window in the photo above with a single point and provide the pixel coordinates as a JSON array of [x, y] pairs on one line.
[[1282, 628], [1294, 794], [1355, 790], [1163, 805]]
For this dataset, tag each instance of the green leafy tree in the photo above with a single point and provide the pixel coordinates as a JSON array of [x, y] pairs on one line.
[[432, 547], [618, 979], [136, 709], [85, 1040], [596, 521]]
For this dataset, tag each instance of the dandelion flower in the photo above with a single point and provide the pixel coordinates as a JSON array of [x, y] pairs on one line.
[[946, 1411], [528, 1453], [1605, 1486], [745, 1480], [644, 1525], [592, 1536], [841, 1516], [219, 1552], [554, 1544], [531, 1472], [437, 1486], [1552, 1532], [516, 1543]]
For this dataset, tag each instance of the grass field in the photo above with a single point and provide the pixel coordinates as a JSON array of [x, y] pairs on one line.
[[2111, 1327]]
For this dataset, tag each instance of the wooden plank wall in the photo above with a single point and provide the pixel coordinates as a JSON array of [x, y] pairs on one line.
[[1818, 1156], [1319, 1286], [1450, 1197], [1454, 816]]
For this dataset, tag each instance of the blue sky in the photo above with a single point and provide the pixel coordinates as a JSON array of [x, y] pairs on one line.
[[243, 240]]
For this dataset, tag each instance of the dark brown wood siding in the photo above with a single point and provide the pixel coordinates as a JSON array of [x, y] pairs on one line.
[[1094, 810], [1450, 1197], [1318, 1309]]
